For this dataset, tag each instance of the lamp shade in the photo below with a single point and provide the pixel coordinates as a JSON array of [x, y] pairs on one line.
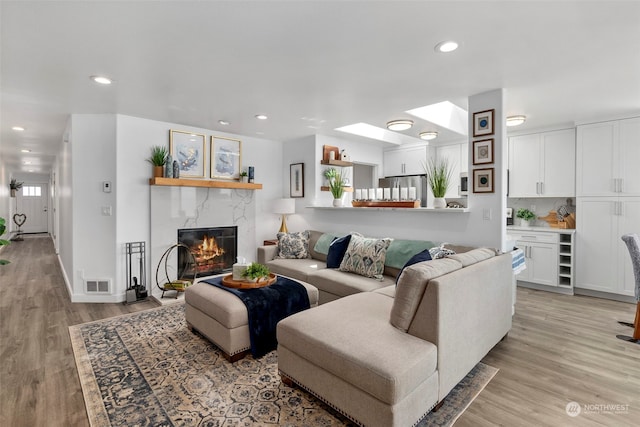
[[284, 206]]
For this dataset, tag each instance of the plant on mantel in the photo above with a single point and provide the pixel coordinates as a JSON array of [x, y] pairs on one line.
[[158, 159]]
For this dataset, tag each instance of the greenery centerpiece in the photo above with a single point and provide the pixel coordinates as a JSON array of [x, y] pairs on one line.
[[336, 185], [256, 271], [439, 178], [158, 159], [525, 216], [14, 185]]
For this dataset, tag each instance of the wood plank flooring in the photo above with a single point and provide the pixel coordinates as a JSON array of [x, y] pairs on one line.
[[561, 349]]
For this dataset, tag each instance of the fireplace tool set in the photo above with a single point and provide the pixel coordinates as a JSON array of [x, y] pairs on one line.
[[137, 288]]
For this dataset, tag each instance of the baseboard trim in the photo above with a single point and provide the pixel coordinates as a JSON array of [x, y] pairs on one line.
[[557, 290], [605, 295], [65, 278]]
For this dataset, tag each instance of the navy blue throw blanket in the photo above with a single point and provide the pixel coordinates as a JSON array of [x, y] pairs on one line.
[[266, 307]]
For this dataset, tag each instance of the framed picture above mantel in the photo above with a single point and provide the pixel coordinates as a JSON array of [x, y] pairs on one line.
[[226, 157], [188, 149]]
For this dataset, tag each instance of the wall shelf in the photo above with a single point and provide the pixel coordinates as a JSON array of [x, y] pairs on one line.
[[417, 210], [206, 183], [336, 163], [346, 189]]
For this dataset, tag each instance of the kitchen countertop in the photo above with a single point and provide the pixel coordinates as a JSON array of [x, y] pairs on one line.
[[542, 229]]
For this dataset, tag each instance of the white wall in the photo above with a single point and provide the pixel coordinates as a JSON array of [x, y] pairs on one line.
[[65, 206]]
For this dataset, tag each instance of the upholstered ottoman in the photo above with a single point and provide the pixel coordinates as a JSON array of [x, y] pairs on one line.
[[222, 317]]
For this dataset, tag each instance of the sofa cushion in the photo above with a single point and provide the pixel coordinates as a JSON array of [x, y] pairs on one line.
[[293, 245], [413, 281], [345, 338], [473, 256], [400, 251], [323, 243], [314, 236], [365, 256], [337, 249], [425, 255], [341, 283], [295, 268]]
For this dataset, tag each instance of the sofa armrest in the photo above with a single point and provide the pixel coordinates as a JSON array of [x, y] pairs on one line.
[[267, 253], [465, 314]]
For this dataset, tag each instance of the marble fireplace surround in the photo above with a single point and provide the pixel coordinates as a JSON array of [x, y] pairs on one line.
[[173, 208]]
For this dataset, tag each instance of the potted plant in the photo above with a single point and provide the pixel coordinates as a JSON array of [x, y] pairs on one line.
[[255, 272], [158, 159], [525, 216], [2, 241], [439, 179], [336, 185], [243, 176], [14, 186]]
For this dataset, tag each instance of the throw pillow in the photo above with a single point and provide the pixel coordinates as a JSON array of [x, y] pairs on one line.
[[293, 245], [440, 252], [419, 257], [365, 256], [337, 249]]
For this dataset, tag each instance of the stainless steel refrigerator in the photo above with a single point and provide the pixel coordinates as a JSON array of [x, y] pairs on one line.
[[417, 181]]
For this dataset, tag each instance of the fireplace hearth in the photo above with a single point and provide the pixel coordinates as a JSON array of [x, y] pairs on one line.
[[215, 250]]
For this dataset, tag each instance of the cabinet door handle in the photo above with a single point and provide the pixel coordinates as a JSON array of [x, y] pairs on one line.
[[542, 188], [530, 237], [620, 185], [537, 188]]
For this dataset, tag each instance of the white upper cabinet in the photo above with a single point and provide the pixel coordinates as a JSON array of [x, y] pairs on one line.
[[405, 161], [458, 157], [607, 161], [542, 164]]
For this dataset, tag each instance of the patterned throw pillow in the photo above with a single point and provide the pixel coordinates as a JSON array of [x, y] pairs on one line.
[[293, 245], [440, 252], [365, 256]]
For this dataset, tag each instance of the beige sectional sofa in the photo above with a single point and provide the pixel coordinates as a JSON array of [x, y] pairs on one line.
[[386, 355]]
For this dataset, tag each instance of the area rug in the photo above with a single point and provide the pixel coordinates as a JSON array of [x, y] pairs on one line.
[[149, 369]]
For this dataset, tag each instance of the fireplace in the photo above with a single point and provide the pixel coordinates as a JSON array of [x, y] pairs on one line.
[[214, 249]]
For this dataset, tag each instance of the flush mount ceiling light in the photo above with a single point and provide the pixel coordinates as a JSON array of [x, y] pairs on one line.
[[399, 125], [261, 117], [446, 46], [18, 128], [223, 122], [102, 80], [25, 151], [516, 120], [27, 163], [427, 136]]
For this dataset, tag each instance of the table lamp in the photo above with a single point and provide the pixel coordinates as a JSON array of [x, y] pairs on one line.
[[284, 207]]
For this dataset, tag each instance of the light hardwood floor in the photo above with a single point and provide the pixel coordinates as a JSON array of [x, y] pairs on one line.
[[561, 349]]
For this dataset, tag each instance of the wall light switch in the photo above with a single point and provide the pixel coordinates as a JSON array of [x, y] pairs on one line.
[[486, 214], [106, 211], [106, 186]]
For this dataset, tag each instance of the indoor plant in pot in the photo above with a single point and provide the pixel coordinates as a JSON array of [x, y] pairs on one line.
[[14, 186], [336, 185], [525, 216], [439, 179], [158, 158], [256, 272]]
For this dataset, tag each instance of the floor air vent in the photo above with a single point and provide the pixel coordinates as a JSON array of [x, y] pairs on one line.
[[98, 286]]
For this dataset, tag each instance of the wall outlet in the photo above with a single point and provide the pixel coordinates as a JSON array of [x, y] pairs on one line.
[[106, 210]]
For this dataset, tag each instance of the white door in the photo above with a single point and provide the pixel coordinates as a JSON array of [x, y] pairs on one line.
[[524, 166], [596, 159], [544, 268], [32, 202], [559, 163]]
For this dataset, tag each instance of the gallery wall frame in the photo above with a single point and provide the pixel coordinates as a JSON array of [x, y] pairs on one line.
[[483, 123], [483, 180], [483, 151], [296, 180], [226, 157], [188, 149]]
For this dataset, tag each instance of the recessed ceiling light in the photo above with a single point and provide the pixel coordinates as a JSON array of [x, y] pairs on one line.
[[27, 163], [446, 46], [102, 80], [427, 136], [516, 120], [223, 122], [25, 151], [30, 170], [18, 128], [261, 117], [399, 124]]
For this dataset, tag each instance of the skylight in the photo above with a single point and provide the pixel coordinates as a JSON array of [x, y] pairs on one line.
[[444, 114]]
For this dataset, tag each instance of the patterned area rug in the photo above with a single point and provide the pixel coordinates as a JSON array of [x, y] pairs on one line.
[[148, 369]]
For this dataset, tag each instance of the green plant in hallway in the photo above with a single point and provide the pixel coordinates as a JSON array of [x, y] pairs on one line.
[[2, 241], [15, 186]]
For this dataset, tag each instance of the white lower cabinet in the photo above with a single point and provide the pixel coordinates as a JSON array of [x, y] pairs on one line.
[[603, 261], [541, 257]]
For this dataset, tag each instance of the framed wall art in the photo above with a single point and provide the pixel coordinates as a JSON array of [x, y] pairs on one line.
[[226, 155], [483, 180], [296, 180], [483, 151], [483, 123], [188, 149]]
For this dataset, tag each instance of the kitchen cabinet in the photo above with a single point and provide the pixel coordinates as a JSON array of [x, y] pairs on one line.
[[603, 262], [541, 256], [607, 158], [542, 164], [405, 161], [458, 157]]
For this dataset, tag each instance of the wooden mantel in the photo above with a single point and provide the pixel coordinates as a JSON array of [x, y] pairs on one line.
[[207, 183]]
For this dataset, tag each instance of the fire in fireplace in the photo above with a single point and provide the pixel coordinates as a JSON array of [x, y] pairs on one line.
[[214, 249]]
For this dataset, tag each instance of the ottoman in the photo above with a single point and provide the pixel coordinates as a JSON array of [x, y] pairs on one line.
[[222, 317]]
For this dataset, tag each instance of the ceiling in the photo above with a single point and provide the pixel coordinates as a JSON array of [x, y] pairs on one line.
[[310, 66]]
